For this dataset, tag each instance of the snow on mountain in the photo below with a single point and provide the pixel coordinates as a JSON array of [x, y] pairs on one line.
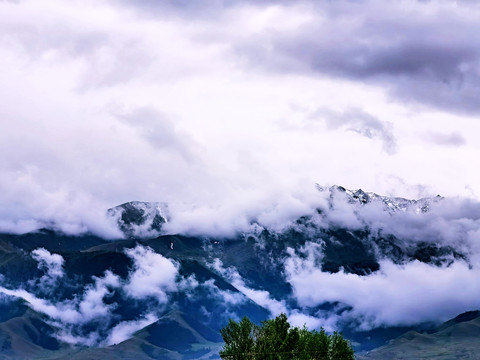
[[354, 261], [140, 219], [391, 204]]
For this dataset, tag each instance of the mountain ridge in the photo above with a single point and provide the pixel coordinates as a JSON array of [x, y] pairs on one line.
[[149, 274], [457, 338]]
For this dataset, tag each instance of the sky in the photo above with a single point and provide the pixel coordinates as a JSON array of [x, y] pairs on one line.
[[232, 105]]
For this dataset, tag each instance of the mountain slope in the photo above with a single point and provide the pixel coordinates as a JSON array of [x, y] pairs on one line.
[[174, 336], [458, 338], [183, 283]]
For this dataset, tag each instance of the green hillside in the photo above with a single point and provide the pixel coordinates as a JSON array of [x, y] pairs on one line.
[[458, 338]]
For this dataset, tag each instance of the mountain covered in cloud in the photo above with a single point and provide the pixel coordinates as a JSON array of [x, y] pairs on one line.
[[371, 266], [389, 203], [215, 115], [141, 219]]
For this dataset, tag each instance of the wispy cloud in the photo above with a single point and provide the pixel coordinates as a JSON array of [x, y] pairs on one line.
[[126, 329], [88, 318], [454, 139], [260, 297], [360, 122], [52, 264]]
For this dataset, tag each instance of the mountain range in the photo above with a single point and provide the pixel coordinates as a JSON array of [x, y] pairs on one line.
[[152, 294]]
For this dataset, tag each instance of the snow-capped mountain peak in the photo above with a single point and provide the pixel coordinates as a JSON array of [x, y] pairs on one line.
[[392, 204], [139, 218]]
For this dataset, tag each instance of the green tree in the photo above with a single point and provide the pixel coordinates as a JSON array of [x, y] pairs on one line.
[[275, 339], [313, 345], [340, 348], [239, 339]]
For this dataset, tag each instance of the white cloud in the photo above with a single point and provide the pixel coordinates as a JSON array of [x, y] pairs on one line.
[[260, 297], [328, 322], [153, 275], [92, 305], [297, 317], [395, 295], [79, 310], [124, 330], [65, 334], [67, 70], [63, 312], [52, 263], [227, 297]]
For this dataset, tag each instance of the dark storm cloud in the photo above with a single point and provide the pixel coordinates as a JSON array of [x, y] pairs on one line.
[[419, 53], [361, 122]]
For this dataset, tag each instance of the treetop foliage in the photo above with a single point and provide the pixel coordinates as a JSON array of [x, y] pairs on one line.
[[276, 339]]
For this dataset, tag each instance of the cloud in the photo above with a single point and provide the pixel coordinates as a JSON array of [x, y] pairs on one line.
[[66, 335], [329, 322], [401, 48], [21, 226], [159, 131], [260, 297], [227, 297], [243, 212], [446, 221], [297, 317], [152, 275], [206, 10], [124, 330], [63, 312], [52, 263], [90, 305], [89, 317], [104, 59], [395, 295], [178, 102], [361, 122], [446, 139]]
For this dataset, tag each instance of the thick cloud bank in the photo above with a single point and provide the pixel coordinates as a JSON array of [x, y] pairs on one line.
[[400, 293], [230, 104], [404, 291], [395, 295]]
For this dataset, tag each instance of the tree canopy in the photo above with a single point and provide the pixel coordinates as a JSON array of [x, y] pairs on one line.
[[276, 339]]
